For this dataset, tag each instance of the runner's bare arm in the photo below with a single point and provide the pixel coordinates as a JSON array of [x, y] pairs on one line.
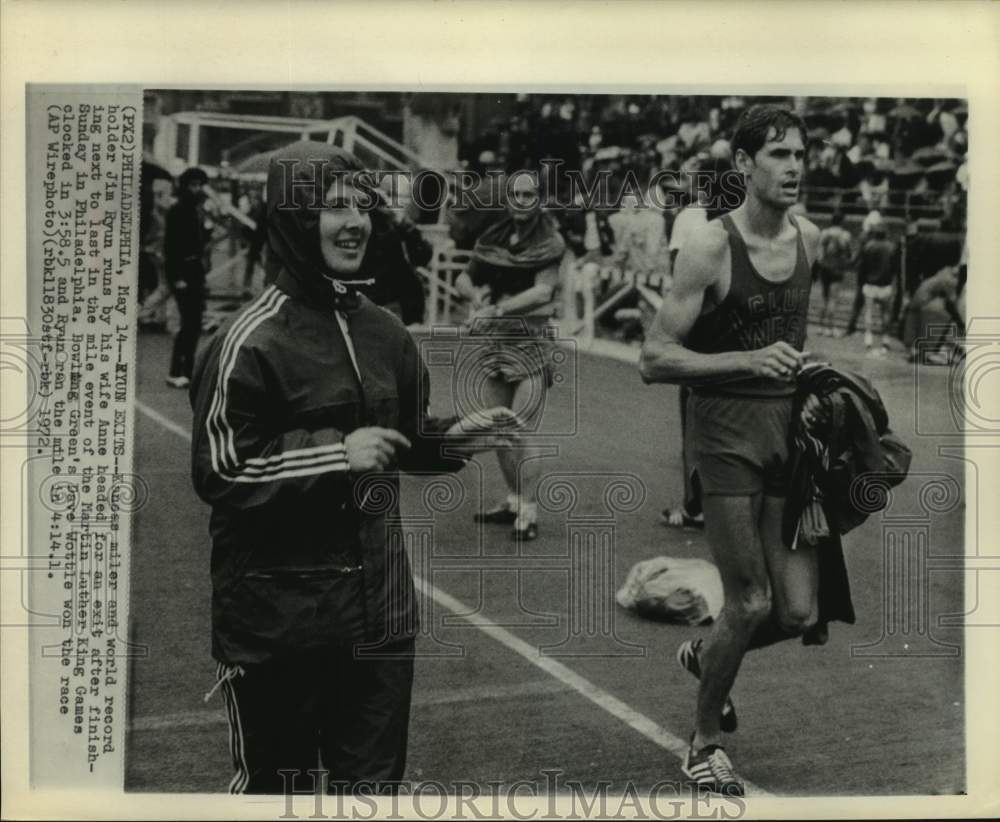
[[466, 288], [810, 239], [665, 358], [541, 293]]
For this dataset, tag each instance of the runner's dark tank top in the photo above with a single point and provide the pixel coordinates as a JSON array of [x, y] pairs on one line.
[[755, 313]]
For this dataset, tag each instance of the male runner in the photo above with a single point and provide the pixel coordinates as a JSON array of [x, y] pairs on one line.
[[733, 328]]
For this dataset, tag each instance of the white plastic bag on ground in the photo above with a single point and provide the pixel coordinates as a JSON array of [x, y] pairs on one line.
[[673, 589]]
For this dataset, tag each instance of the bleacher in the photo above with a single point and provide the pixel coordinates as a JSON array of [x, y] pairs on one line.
[[600, 292]]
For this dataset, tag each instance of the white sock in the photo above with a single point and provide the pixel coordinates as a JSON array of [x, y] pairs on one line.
[[527, 513], [514, 502]]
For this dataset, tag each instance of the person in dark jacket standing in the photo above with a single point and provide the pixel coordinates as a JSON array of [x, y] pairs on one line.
[[184, 249], [476, 210], [305, 406], [396, 248]]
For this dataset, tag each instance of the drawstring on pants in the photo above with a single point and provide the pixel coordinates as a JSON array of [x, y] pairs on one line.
[[230, 673]]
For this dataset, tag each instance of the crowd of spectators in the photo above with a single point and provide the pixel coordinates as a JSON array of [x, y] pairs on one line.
[[904, 160], [904, 157], [895, 168]]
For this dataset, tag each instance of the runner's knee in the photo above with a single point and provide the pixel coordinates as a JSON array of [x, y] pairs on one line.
[[797, 618], [752, 603]]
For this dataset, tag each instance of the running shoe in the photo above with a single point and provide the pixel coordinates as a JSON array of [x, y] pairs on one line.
[[501, 515], [687, 656], [679, 518], [178, 382], [711, 769], [818, 634], [524, 532]]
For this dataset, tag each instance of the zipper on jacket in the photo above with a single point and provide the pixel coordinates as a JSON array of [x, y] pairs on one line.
[[345, 332], [349, 344], [306, 573]]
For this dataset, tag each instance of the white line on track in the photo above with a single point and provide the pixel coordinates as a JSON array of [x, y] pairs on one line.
[[604, 700], [169, 424]]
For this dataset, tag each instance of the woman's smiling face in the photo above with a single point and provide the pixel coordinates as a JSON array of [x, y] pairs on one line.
[[343, 229]]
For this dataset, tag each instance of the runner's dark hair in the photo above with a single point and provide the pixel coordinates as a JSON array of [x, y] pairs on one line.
[[755, 124]]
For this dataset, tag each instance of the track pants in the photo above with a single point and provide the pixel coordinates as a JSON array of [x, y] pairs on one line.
[[856, 307], [332, 711], [191, 305]]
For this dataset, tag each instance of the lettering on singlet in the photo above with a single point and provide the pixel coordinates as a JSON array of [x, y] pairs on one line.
[[755, 313]]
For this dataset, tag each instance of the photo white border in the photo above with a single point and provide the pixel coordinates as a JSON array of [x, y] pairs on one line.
[[907, 48]]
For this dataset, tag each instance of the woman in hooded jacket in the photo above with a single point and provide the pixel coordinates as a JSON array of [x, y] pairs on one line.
[[306, 405]]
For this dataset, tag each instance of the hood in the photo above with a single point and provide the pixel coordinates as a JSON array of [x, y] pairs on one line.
[[298, 178]]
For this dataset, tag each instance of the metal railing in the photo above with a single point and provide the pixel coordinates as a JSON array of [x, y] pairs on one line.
[[593, 290], [904, 205]]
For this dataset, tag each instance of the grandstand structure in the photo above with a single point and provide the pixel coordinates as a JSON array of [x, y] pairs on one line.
[[180, 140]]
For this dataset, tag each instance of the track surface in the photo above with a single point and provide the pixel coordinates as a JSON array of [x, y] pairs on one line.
[[813, 720]]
